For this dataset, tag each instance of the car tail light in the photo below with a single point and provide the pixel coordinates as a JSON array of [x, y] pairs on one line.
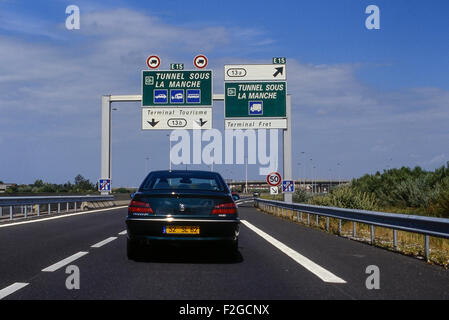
[[139, 207], [225, 208]]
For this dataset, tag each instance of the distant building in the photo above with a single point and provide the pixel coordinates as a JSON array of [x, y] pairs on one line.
[[4, 186]]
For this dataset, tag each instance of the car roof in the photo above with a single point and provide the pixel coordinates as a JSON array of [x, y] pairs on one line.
[[197, 172]]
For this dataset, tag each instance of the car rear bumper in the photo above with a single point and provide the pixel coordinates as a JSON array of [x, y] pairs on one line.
[[150, 229]]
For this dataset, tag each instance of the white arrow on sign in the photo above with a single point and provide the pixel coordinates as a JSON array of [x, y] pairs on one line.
[[171, 118], [254, 72]]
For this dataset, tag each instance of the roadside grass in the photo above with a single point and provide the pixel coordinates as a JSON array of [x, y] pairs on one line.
[[408, 243]]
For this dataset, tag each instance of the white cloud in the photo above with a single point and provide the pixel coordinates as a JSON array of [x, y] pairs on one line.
[[51, 90]]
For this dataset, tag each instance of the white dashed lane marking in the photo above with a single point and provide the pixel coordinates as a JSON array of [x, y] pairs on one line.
[[11, 289], [102, 243], [64, 262]]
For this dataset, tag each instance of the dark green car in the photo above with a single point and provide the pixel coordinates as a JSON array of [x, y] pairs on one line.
[[182, 206]]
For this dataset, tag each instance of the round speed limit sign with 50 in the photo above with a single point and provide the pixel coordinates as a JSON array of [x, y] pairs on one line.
[[274, 179]]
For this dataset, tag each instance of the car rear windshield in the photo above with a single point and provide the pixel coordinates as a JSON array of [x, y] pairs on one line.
[[182, 181]]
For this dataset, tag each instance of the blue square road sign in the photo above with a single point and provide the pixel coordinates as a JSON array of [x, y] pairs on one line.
[[177, 96], [288, 186], [104, 185], [193, 96], [161, 96]]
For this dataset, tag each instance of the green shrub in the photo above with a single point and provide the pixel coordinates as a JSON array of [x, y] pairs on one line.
[[347, 197], [121, 190], [301, 196]]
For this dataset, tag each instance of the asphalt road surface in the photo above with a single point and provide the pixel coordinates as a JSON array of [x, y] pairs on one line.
[[277, 259]]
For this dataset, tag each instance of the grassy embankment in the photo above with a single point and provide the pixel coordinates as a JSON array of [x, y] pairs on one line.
[[403, 191]]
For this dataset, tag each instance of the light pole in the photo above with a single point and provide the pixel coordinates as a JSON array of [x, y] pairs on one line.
[[313, 180], [311, 176], [169, 151], [303, 172], [147, 159], [338, 172], [246, 175]]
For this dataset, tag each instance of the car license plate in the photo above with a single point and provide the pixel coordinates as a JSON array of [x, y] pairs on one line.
[[181, 229]]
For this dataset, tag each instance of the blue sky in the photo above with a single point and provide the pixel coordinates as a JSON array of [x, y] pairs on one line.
[[367, 99]]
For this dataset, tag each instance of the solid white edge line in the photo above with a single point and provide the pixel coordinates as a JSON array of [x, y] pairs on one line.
[[59, 217], [316, 269], [102, 243], [11, 289], [64, 262], [123, 233]]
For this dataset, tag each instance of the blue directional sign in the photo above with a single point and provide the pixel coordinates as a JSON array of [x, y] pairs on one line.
[[177, 96], [255, 108], [288, 186], [193, 96], [161, 96], [104, 185]]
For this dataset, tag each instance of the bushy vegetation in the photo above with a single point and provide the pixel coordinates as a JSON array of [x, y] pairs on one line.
[[401, 190], [80, 185], [301, 196], [347, 197], [123, 190]]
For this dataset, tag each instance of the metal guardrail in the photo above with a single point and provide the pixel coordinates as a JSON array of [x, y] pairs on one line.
[[35, 202], [428, 226], [244, 200]]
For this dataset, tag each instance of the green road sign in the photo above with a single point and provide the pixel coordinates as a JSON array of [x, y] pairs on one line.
[[255, 99], [176, 88]]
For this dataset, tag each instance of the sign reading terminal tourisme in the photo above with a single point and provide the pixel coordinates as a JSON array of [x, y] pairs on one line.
[[176, 88]]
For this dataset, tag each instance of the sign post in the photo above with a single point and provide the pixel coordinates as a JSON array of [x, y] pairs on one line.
[[287, 146]]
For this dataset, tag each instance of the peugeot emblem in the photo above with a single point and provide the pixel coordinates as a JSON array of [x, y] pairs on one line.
[[182, 207]]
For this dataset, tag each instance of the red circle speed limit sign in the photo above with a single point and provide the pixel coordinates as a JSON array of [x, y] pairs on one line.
[[153, 62], [274, 179], [200, 61]]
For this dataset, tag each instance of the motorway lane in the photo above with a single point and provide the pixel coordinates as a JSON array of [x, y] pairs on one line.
[[28, 248], [402, 277], [259, 271]]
